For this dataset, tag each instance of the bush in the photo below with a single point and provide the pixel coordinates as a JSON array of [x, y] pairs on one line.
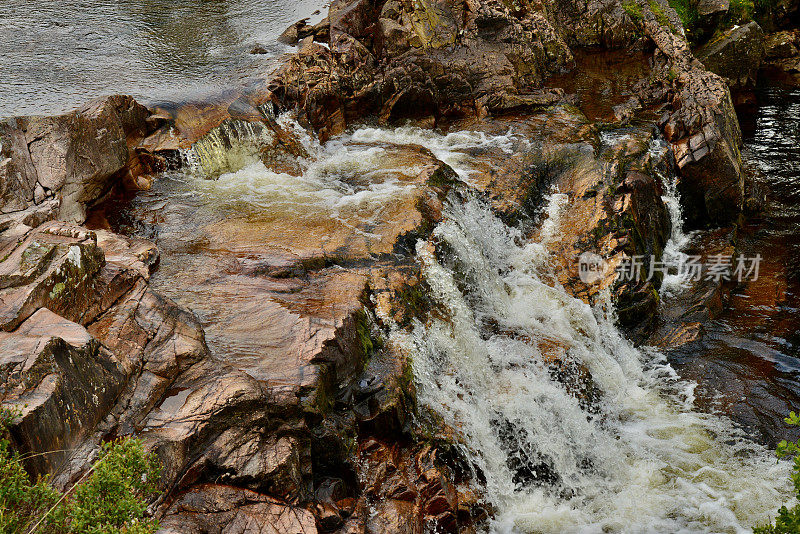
[[111, 500], [788, 520]]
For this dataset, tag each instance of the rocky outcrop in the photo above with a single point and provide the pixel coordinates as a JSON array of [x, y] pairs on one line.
[[217, 508], [699, 122], [71, 160], [426, 60], [783, 55], [736, 55], [613, 182], [293, 414]]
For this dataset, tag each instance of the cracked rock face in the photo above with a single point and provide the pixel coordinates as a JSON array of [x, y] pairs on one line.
[[71, 158], [736, 55]]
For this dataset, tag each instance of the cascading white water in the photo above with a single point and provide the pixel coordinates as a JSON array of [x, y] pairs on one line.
[[673, 256], [571, 427], [634, 457]]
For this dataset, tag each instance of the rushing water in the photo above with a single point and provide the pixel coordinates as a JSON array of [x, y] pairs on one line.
[[619, 450], [569, 427], [57, 54]]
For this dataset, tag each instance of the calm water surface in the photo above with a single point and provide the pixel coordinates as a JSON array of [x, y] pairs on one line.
[[57, 54]]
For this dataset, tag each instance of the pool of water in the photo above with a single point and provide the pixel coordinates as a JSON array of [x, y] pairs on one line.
[[747, 363], [57, 54]]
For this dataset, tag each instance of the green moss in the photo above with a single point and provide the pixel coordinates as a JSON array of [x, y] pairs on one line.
[[369, 343], [57, 290], [672, 75], [687, 11], [633, 9], [444, 177], [661, 16], [406, 378]]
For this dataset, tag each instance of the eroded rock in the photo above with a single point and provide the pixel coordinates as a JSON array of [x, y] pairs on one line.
[[75, 158], [736, 55]]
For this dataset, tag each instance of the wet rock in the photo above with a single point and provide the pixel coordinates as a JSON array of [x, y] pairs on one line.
[[783, 56], [418, 60], [595, 23], [258, 49], [407, 490], [77, 156], [700, 123], [782, 45], [706, 8], [218, 508], [735, 55], [61, 380]]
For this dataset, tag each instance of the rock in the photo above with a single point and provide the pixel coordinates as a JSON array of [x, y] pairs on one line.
[[61, 380], [736, 55], [218, 508], [701, 125], [783, 57], [258, 49], [782, 45], [290, 35], [596, 23], [407, 490], [77, 156], [422, 60], [706, 8]]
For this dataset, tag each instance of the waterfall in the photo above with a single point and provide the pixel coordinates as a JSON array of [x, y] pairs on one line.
[[673, 254], [567, 426], [572, 428]]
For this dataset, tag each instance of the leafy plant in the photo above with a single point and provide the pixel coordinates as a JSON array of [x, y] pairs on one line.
[[110, 499], [788, 520]]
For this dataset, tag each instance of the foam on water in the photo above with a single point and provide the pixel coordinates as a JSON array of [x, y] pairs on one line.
[[676, 279], [635, 459], [350, 176], [572, 428]]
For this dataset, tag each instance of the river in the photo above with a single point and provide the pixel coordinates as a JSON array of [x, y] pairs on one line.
[[57, 54], [633, 440]]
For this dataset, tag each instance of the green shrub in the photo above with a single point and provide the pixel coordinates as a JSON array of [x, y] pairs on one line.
[[111, 500], [788, 520]]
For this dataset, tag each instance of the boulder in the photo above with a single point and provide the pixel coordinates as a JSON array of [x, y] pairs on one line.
[[736, 55], [706, 8], [783, 56], [219, 508], [75, 158], [699, 122], [423, 60]]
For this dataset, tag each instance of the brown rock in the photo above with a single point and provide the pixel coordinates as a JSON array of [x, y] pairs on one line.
[[77, 156], [217, 508], [736, 55]]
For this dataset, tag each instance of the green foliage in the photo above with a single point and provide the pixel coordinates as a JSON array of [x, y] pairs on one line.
[[687, 11], [740, 11], [112, 499], [633, 9], [672, 75], [661, 16], [21, 502], [788, 520]]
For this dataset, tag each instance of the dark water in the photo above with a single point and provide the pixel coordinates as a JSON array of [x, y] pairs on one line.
[[748, 362], [57, 54]]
